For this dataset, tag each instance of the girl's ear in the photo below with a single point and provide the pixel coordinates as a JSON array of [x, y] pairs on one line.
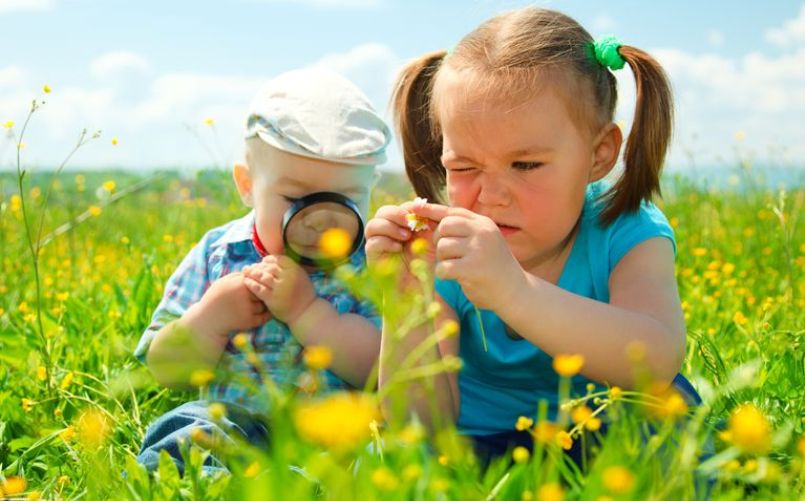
[[243, 181], [606, 151]]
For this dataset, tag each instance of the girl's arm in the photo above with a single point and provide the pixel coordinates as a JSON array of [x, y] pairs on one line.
[[644, 311]]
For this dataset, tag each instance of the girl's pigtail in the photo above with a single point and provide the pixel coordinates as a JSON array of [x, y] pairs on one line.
[[421, 143], [648, 140]]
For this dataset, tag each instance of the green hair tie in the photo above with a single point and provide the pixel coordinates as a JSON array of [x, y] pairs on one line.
[[606, 52]]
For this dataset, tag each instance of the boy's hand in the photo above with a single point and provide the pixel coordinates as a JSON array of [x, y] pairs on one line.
[[227, 306], [282, 285]]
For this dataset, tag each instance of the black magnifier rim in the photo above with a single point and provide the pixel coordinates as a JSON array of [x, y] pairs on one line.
[[307, 201]]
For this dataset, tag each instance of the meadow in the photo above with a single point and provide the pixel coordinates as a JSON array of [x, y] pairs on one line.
[[83, 260]]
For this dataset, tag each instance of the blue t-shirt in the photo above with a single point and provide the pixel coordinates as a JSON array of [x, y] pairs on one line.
[[507, 381]]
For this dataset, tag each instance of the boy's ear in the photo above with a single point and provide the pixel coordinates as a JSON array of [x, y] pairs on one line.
[[243, 181], [606, 151]]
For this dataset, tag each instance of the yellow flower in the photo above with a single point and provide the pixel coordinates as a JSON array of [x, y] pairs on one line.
[[670, 403], [335, 243], [201, 377], [419, 246], [217, 411], [27, 404], [584, 415], [109, 186], [520, 454], [114, 141], [67, 434], [63, 480], [545, 432], [13, 486], [93, 427], [62, 296], [416, 223], [568, 365], [728, 268], [33, 496], [41, 373], [340, 421], [318, 357], [384, 479], [564, 440], [618, 479], [9, 124], [46, 89], [94, 210], [749, 430], [412, 434], [252, 470], [739, 318], [523, 423], [241, 340], [66, 381], [615, 392], [801, 446], [209, 121], [36, 191], [443, 460], [740, 135], [412, 472], [550, 492], [699, 251]]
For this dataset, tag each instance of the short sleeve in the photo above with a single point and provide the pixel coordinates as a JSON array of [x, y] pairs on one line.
[[183, 289], [451, 293], [632, 229], [366, 309]]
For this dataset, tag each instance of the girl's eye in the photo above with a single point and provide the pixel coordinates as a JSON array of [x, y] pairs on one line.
[[290, 200], [526, 165]]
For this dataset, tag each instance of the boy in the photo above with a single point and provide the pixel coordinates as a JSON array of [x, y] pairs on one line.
[[307, 131]]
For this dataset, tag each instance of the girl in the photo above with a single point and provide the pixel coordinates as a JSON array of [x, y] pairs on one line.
[[516, 122]]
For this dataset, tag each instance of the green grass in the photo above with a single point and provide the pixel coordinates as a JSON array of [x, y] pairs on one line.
[[71, 426]]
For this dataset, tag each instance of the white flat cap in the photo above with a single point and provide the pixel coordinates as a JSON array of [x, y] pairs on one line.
[[318, 114]]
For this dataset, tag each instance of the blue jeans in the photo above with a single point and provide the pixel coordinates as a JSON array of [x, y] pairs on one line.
[[176, 425]]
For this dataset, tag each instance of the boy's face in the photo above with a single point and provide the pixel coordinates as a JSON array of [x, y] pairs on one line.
[[274, 178]]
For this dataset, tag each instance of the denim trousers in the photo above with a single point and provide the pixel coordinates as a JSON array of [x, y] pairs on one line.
[[174, 427]]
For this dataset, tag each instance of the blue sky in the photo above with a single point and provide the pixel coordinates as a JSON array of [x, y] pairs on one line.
[[149, 73]]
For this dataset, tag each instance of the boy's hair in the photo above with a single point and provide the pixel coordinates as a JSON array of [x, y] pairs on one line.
[[506, 58]]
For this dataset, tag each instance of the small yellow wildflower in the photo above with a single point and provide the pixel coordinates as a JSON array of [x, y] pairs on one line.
[[615, 392], [201, 377], [241, 340], [670, 403], [46, 89], [67, 434], [41, 373], [217, 411], [545, 432], [209, 121], [739, 318], [618, 479], [749, 430], [115, 141], [8, 124], [699, 251], [449, 328], [335, 243], [443, 460], [67, 381], [550, 492], [527, 496], [63, 480], [340, 421], [94, 210], [12, 486], [568, 365], [384, 479], [36, 192], [109, 186], [33, 496], [62, 296], [564, 440], [419, 246], [524, 423], [801, 446], [520, 454], [740, 135], [412, 472], [93, 428], [412, 434], [318, 357], [27, 404], [252, 470]]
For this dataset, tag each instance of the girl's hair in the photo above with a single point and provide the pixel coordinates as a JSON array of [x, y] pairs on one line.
[[508, 57]]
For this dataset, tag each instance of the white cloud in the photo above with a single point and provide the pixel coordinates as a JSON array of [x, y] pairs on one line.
[[603, 24], [114, 63], [25, 5], [791, 33], [12, 77]]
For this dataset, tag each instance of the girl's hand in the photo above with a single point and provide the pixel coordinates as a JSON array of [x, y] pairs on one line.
[[471, 250], [282, 285], [387, 234], [226, 306]]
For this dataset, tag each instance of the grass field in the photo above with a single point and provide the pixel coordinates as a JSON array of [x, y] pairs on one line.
[[74, 403]]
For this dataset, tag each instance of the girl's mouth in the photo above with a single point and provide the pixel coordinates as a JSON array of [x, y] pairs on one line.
[[507, 230]]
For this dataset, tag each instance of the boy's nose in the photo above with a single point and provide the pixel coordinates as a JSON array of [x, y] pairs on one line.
[[320, 220]]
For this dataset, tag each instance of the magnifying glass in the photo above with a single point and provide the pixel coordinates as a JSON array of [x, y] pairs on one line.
[[321, 214]]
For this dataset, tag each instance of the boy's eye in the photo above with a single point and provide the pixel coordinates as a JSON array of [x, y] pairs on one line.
[[526, 165], [289, 199]]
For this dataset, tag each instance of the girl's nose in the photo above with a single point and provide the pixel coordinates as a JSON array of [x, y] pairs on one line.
[[320, 220], [493, 190]]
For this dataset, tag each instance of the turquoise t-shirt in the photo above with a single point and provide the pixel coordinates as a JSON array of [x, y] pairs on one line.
[[507, 381]]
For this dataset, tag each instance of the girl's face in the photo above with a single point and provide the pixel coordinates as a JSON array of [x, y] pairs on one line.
[[526, 166], [275, 179]]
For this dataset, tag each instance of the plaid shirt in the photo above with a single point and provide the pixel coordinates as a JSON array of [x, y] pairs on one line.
[[227, 249]]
